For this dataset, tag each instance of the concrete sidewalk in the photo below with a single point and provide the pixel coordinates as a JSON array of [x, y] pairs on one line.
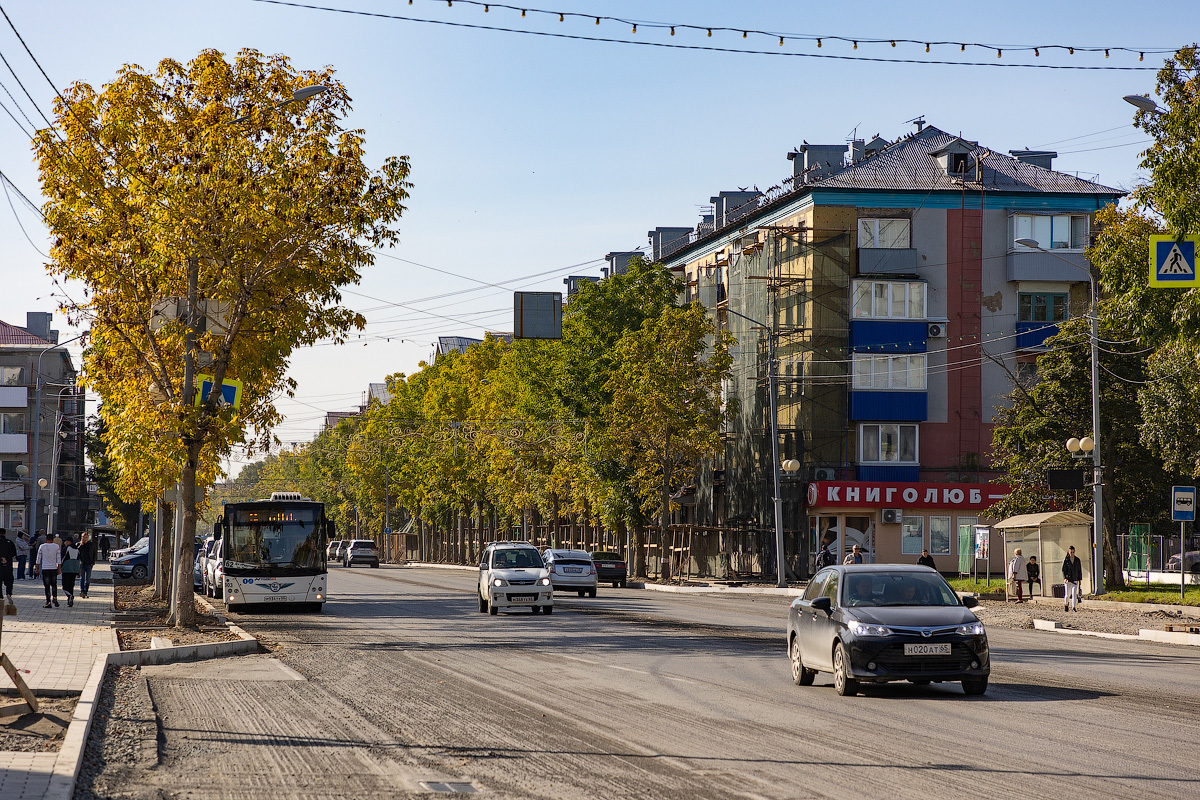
[[55, 650]]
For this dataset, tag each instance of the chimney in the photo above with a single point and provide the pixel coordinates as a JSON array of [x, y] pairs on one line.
[[618, 262], [816, 161], [38, 324], [1039, 158], [857, 150], [729, 207], [667, 240]]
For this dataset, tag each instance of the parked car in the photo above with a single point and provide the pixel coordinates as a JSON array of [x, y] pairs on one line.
[[1192, 561], [203, 548], [874, 623], [214, 570], [610, 568], [360, 551], [334, 551], [571, 570], [512, 575], [134, 564], [138, 545]]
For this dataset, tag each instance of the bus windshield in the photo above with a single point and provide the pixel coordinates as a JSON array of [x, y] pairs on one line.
[[275, 538]]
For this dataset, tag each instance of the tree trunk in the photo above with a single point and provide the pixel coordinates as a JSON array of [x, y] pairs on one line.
[[638, 564], [185, 604], [1114, 574]]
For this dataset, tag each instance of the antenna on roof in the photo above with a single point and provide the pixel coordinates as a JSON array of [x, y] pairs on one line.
[[918, 121]]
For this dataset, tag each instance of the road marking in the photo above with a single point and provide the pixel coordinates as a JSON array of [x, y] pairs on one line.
[[580, 660]]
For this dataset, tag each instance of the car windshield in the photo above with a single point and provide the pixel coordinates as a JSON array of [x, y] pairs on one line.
[[517, 558], [275, 537], [605, 557], [897, 589]]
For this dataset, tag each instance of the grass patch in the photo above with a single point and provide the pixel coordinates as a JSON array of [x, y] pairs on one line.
[[1163, 593], [979, 586]]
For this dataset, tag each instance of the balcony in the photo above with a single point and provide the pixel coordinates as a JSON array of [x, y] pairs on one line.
[[887, 260], [1034, 265], [888, 336], [14, 443], [1033, 335], [911, 406], [14, 396]]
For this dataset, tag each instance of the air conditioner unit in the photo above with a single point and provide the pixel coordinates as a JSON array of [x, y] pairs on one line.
[[824, 474], [891, 515], [936, 330]]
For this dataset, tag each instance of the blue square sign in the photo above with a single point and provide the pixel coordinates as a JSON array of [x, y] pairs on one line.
[[1183, 503], [1173, 261]]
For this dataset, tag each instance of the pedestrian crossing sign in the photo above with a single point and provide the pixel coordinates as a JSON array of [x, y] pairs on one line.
[[1173, 262]]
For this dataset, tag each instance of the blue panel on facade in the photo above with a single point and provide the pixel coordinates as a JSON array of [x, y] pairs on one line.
[[887, 336], [888, 406], [909, 473], [1032, 201], [1034, 334]]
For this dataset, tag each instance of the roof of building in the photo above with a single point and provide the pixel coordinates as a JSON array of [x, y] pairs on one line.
[[11, 334], [1046, 518], [910, 163]]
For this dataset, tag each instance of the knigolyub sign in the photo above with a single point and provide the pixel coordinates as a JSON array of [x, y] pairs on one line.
[[870, 494]]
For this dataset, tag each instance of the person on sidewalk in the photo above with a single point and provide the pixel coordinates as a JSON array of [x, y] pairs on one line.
[[855, 556], [1034, 572], [1017, 573], [104, 546], [70, 569], [1072, 576], [34, 545], [47, 564], [22, 545], [87, 560], [8, 555], [926, 560]]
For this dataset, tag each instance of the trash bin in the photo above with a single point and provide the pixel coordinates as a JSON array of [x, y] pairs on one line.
[[1059, 589]]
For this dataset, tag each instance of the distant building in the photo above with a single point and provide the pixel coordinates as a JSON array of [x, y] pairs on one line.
[[42, 427]]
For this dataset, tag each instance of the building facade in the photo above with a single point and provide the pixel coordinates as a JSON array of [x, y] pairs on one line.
[[42, 432], [884, 288]]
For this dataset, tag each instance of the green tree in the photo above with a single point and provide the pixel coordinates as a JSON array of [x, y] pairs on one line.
[[205, 181]]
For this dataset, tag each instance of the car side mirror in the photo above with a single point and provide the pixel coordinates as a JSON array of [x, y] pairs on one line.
[[822, 603], [970, 601]]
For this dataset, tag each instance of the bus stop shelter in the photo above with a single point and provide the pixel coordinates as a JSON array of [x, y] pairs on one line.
[[1047, 536]]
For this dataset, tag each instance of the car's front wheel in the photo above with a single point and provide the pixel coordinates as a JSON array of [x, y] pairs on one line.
[[842, 682], [591, 592], [138, 573], [482, 605], [975, 686], [801, 675], [492, 609], [547, 609]]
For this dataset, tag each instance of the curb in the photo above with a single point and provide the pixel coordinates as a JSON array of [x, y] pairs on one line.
[[659, 587], [70, 754]]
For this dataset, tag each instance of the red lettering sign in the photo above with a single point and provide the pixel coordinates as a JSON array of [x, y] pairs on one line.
[[868, 494]]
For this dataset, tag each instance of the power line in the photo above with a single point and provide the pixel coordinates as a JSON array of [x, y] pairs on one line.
[[744, 51]]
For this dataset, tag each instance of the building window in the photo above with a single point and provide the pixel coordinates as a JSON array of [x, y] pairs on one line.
[[912, 536], [8, 470], [12, 422], [887, 443], [889, 299], [889, 372], [1052, 232], [886, 234], [939, 536], [1027, 373], [12, 376], [1042, 307]]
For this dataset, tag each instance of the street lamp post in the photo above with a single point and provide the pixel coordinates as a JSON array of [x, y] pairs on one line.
[[1097, 469], [780, 567]]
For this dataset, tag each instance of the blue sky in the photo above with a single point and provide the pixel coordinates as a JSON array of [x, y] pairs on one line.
[[535, 156]]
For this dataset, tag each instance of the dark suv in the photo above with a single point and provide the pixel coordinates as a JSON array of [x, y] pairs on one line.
[[360, 551]]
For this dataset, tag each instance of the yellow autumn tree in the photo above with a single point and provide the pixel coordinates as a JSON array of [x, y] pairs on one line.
[[212, 210]]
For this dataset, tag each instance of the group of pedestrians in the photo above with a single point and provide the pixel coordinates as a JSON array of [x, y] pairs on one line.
[[52, 559], [1020, 570]]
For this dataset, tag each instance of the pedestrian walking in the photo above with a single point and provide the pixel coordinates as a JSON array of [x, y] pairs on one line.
[[1072, 570], [1017, 573], [39, 539], [855, 556], [926, 560], [47, 564], [22, 544], [104, 547], [70, 569], [826, 557], [8, 556], [87, 560], [1034, 573]]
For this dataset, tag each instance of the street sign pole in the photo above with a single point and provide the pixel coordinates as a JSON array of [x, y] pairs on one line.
[[1183, 510]]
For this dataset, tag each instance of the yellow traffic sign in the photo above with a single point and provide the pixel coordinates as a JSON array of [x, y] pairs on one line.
[[231, 391], [1173, 262]]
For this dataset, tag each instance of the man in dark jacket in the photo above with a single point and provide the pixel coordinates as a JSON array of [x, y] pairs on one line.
[[8, 557], [926, 560], [1072, 576], [87, 560]]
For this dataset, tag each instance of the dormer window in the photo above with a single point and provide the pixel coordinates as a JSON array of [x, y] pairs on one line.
[[955, 158], [958, 163]]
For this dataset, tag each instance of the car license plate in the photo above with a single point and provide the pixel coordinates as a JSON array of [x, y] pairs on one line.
[[572, 570], [927, 649], [522, 598]]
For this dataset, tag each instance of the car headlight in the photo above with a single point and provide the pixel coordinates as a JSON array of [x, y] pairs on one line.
[[545, 581], [499, 582], [973, 629], [863, 629]]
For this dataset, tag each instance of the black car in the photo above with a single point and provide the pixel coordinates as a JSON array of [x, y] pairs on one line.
[[610, 568], [875, 623]]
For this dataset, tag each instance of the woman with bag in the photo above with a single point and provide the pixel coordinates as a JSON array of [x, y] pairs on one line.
[[70, 568], [1017, 573]]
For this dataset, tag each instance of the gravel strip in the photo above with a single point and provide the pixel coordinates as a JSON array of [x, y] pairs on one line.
[[1000, 614], [124, 740]]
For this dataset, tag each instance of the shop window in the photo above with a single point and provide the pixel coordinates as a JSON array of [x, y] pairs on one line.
[[939, 536], [912, 536]]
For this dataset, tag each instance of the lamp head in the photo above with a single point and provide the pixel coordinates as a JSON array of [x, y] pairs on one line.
[[791, 466], [1142, 103], [1087, 444], [22, 470], [1028, 243], [300, 95], [1073, 444], [43, 483]]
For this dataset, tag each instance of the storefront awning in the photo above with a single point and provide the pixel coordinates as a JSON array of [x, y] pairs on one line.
[[1045, 518]]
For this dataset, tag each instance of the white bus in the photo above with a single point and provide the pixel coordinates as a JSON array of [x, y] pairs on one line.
[[274, 552]]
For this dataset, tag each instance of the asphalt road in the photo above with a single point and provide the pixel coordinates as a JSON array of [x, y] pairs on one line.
[[636, 694]]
